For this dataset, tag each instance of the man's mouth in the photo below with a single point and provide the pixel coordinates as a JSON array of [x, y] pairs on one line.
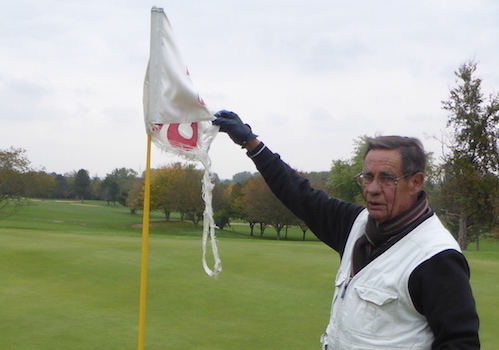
[[375, 205]]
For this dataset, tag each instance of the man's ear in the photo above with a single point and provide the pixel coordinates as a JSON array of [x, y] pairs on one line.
[[416, 181]]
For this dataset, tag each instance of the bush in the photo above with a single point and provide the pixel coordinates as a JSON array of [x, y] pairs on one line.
[[222, 218]]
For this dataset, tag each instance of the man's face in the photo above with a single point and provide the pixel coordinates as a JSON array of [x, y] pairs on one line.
[[385, 203]]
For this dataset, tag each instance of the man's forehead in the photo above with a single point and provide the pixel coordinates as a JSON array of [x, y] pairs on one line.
[[381, 160]]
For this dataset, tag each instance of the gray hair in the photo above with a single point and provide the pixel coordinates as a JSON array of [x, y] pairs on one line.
[[411, 149]]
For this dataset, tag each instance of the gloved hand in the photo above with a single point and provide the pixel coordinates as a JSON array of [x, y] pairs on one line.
[[230, 123]]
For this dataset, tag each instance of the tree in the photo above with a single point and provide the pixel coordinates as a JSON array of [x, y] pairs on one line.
[[162, 191], [303, 228], [221, 195], [341, 182], [110, 189], [135, 198], [262, 206], [241, 177], [178, 188], [189, 190], [61, 189], [39, 184], [318, 180], [96, 188], [82, 184], [221, 203], [254, 200], [14, 184], [469, 182], [235, 195], [125, 178]]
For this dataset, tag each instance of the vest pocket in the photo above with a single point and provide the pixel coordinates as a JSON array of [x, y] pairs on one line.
[[340, 284], [372, 311]]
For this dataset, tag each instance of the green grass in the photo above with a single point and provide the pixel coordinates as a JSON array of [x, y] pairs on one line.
[[484, 279], [70, 280]]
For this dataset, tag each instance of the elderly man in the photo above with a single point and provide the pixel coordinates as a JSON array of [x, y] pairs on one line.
[[403, 282]]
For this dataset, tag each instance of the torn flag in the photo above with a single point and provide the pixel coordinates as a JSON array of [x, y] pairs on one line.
[[177, 119]]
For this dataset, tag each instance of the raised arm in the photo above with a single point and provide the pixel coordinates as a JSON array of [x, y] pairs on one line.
[[328, 218]]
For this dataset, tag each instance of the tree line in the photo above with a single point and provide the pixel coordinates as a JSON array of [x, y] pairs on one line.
[[175, 188], [463, 187]]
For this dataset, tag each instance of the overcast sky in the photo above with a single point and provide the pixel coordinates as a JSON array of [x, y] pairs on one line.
[[310, 77]]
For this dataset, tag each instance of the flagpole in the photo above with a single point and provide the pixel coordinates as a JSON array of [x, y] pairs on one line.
[[145, 247]]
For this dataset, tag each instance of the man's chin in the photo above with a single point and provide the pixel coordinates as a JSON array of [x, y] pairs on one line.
[[378, 215]]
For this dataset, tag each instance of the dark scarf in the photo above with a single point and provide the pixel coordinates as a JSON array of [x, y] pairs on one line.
[[378, 238]]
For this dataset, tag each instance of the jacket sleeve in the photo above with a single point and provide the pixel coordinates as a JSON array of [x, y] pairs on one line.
[[441, 291], [328, 218]]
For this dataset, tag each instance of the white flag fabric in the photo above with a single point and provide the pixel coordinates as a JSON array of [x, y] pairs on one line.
[[177, 119]]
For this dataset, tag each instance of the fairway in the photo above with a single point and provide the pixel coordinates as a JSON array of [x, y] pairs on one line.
[[70, 278]]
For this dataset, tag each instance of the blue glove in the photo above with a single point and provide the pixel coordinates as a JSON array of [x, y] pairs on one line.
[[230, 123]]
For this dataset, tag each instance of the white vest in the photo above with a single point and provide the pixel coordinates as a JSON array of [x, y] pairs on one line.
[[373, 310]]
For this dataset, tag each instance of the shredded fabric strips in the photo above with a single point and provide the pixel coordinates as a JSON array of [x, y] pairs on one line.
[[178, 120]]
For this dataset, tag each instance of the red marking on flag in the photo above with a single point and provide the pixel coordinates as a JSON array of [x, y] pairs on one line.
[[157, 127], [177, 140]]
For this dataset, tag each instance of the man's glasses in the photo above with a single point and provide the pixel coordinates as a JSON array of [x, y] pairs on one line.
[[384, 180]]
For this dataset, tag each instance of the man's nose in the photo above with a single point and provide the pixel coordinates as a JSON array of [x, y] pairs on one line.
[[373, 188]]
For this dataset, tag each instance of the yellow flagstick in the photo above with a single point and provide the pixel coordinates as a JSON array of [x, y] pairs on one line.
[[145, 246]]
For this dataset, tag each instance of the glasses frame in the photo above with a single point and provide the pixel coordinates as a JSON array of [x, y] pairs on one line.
[[360, 176]]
